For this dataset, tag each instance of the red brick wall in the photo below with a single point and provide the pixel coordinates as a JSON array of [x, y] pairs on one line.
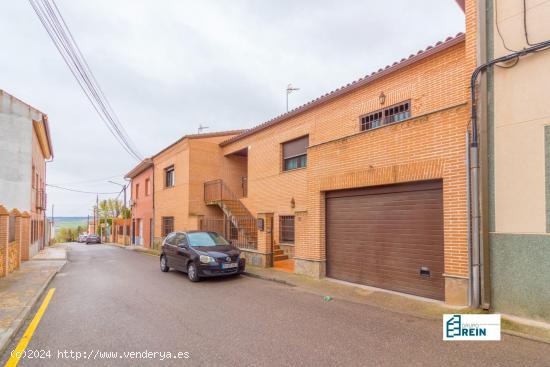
[[142, 208], [431, 145]]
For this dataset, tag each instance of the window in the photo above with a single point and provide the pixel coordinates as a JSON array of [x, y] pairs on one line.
[[167, 225], [295, 153], [147, 187], [286, 226], [33, 178], [169, 176], [386, 116], [137, 191]]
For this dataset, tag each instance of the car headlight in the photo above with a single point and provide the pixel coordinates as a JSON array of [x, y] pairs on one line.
[[206, 259]]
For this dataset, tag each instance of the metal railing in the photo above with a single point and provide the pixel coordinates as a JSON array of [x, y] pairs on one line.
[[11, 228], [41, 199], [242, 232]]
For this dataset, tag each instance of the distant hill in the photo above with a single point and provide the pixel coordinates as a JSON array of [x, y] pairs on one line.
[[70, 222]]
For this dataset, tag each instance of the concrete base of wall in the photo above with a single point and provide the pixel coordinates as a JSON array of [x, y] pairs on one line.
[[456, 291], [519, 274], [33, 249], [256, 258], [315, 269]]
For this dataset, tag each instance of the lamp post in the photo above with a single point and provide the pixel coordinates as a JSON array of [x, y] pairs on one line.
[[289, 89]]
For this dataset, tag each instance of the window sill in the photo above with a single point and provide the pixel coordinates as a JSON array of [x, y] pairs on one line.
[[295, 169], [286, 244]]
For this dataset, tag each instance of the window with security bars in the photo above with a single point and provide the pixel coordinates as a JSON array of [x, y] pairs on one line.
[[386, 116], [167, 226], [286, 228]]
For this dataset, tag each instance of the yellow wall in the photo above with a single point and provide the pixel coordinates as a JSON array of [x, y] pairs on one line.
[[521, 111]]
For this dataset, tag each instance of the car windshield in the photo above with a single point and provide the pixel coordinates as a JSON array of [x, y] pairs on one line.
[[206, 239]]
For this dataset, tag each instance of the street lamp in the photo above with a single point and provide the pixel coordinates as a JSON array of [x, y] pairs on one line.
[[289, 89]]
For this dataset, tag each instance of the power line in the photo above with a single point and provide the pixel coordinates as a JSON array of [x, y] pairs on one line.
[[89, 181], [49, 15], [82, 192]]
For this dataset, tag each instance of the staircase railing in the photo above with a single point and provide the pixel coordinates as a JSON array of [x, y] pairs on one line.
[[239, 224]]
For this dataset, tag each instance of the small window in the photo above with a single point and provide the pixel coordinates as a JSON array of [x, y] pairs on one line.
[[147, 187], [386, 116], [286, 226], [295, 153], [137, 191], [169, 176], [33, 178], [167, 225]]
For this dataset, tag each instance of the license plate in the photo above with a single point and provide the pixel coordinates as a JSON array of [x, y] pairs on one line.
[[229, 265]]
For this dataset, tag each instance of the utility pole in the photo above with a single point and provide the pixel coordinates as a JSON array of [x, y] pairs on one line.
[[52, 227], [88, 223], [289, 89]]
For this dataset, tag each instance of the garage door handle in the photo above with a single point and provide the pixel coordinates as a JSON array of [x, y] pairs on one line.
[[425, 272]]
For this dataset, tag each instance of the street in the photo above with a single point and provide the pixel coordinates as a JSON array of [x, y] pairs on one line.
[[109, 300]]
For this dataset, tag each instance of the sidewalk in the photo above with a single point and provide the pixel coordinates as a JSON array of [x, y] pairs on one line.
[[20, 290], [393, 301], [137, 248]]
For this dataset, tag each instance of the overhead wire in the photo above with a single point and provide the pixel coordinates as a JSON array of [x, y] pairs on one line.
[[81, 191], [60, 34]]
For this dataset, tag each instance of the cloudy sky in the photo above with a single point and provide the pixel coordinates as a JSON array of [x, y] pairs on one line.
[[169, 65]]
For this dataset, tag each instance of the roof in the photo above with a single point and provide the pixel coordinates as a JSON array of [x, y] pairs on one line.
[[141, 166], [413, 58], [41, 122], [201, 136]]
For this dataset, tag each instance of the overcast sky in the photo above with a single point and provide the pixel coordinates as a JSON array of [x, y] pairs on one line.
[[169, 65]]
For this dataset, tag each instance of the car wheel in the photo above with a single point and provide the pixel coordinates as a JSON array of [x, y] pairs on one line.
[[192, 272], [164, 264]]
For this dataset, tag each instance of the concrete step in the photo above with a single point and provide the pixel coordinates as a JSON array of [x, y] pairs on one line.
[[278, 252], [280, 257]]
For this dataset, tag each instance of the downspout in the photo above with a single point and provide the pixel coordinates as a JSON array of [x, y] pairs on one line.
[[476, 261]]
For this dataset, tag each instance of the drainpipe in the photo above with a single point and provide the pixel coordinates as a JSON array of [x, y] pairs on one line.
[[476, 261]]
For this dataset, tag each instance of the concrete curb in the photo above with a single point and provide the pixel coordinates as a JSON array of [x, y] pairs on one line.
[[7, 338], [427, 317]]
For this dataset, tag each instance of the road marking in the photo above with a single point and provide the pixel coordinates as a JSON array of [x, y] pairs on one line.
[[26, 338]]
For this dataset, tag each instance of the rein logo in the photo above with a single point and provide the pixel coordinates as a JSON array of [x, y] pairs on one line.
[[471, 327]]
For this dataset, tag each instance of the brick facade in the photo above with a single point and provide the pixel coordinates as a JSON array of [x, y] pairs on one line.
[[429, 145], [141, 195]]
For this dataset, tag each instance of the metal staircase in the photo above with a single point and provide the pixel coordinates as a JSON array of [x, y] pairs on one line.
[[241, 220]]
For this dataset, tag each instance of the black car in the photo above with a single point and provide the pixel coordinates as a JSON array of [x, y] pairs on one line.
[[93, 238], [200, 254]]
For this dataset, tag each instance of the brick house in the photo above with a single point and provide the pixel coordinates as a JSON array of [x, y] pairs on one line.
[[366, 184], [141, 204], [25, 148], [180, 171]]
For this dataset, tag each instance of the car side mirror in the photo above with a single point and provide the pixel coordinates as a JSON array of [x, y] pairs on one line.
[[230, 242]]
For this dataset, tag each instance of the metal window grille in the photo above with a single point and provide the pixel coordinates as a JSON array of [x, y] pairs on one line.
[[286, 228], [167, 225], [11, 231], [386, 116]]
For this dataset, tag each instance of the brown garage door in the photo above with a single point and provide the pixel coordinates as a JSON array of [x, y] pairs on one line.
[[388, 237]]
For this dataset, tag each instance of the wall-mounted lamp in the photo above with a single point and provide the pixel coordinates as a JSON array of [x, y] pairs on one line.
[[382, 98]]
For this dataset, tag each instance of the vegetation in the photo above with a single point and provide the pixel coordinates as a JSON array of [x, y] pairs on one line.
[[67, 234]]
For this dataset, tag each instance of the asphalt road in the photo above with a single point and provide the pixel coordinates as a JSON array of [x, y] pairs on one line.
[[109, 300]]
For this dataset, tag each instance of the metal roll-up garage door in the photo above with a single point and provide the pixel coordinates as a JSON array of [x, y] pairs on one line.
[[388, 237]]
